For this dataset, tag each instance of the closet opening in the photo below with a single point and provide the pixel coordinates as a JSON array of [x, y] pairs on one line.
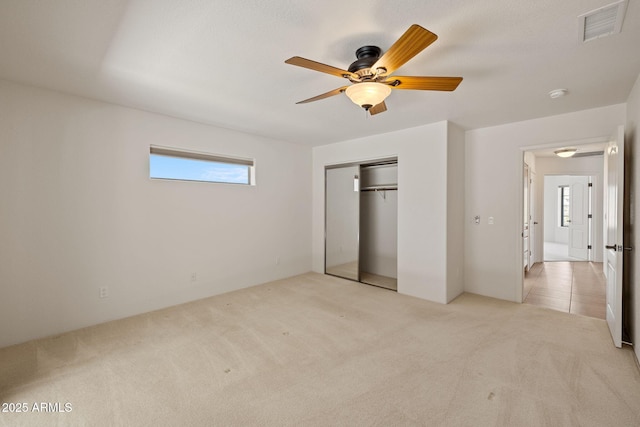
[[361, 222]]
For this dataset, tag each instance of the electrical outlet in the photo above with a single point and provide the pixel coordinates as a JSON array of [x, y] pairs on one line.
[[104, 292], [194, 277]]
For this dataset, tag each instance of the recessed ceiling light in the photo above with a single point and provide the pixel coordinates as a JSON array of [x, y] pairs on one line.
[[558, 93]]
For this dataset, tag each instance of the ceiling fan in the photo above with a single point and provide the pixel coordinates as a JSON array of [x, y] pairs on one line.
[[370, 74]]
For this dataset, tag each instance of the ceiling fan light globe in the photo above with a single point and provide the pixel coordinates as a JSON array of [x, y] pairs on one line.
[[368, 93]]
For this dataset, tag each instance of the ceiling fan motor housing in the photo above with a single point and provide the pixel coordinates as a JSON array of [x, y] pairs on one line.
[[370, 74], [367, 56]]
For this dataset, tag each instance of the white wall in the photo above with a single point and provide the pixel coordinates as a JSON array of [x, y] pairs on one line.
[[79, 212], [494, 158], [632, 141], [422, 154], [455, 211]]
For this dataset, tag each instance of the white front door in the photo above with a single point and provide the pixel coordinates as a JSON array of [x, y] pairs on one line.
[[614, 173], [578, 212]]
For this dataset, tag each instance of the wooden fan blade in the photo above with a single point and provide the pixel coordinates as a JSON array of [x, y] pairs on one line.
[[424, 83], [412, 42], [317, 66], [376, 109], [324, 95]]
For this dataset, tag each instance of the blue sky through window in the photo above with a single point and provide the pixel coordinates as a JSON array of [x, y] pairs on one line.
[[197, 170]]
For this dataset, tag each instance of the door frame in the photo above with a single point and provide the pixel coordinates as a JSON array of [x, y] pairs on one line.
[[591, 177], [359, 164], [519, 244], [587, 227], [526, 210]]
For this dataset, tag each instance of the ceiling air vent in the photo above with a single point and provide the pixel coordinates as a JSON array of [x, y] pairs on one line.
[[603, 21]]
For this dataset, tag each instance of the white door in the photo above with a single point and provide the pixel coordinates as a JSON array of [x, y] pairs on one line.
[[578, 212], [526, 255], [532, 219], [614, 172], [342, 218]]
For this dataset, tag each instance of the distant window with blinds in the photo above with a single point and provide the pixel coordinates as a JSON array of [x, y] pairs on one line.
[[564, 193], [184, 165]]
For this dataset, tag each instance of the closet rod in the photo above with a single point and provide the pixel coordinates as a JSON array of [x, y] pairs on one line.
[[380, 188]]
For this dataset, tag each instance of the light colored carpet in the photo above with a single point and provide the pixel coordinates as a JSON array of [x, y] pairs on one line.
[[319, 350]]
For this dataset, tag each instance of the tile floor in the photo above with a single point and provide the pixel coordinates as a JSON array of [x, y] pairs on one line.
[[572, 287]]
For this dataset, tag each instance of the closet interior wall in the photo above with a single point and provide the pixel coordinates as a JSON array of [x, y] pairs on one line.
[[378, 225]]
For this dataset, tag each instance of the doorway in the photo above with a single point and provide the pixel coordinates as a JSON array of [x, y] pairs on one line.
[[565, 201], [361, 217], [568, 218]]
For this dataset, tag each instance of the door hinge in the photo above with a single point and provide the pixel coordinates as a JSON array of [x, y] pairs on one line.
[[590, 216], [589, 247], [591, 184]]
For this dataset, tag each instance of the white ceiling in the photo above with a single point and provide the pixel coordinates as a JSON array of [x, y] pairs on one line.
[[222, 61]]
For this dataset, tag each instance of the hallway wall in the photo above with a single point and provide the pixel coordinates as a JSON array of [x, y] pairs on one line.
[[592, 166], [493, 188]]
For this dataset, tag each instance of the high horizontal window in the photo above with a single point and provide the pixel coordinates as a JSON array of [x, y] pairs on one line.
[[172, 163]]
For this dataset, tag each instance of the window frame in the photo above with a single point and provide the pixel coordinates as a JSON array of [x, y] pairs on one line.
[[564, 220], [179, 153]]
